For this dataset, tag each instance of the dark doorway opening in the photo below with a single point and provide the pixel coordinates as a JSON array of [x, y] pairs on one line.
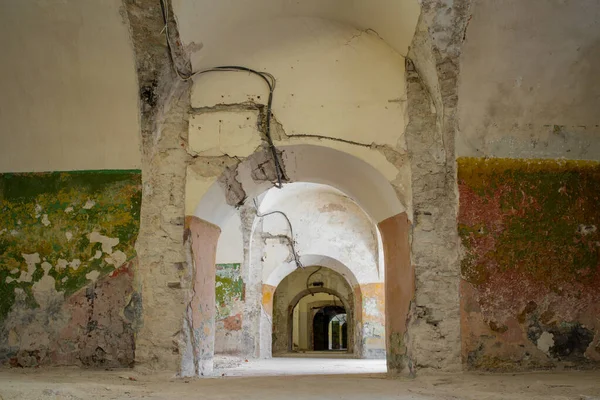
[[328, 333]]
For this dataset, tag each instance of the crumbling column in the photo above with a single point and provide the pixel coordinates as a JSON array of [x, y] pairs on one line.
[[399, 289], [202, 237]]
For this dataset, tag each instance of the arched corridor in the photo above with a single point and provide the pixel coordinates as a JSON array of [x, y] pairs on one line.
[[305, 297], [203, 188]]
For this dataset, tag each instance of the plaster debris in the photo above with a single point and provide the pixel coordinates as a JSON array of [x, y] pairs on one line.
[[69, 209], [69, 236], [38, 210]]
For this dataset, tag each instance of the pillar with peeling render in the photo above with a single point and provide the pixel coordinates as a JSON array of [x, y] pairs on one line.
[[203, 237], [399, 289]]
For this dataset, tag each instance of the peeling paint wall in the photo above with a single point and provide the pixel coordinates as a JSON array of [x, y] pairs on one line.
[[531, 263], [325, 222], [66, 267], [372, 296], [230, 297]]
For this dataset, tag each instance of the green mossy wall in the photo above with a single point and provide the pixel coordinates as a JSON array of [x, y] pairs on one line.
[[50, 216], [530, 231], [229, 289], [230, 296]]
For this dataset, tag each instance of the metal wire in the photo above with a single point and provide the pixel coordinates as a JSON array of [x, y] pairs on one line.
[[267, 77]]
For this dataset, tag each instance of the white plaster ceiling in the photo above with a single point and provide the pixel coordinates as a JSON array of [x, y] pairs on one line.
[[206, 24]]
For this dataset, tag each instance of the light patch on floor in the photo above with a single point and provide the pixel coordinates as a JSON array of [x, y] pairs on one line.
[[229, 366]]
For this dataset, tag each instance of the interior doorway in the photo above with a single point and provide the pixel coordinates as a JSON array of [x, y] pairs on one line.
[[319, 323]]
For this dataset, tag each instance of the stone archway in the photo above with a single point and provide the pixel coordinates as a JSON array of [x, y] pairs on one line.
[[292, 289], [306, 163], [432, 68], [319, 306]]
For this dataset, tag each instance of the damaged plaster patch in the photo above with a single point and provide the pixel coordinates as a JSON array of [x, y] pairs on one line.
[[262, 166], [61, 264], [370, 307], [44, 290], [69, 236], [545, 342], [116, 259], [107, 243], [75, 264], [587, 229], [89, 204], [233, 132], [92, 275], [31, 260], [234, 192], [45, 220]]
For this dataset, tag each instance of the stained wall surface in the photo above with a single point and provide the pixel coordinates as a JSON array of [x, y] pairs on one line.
[[528, 101], [529, 86], [531, 264], [68, 84], [70, 184], [66, 267]]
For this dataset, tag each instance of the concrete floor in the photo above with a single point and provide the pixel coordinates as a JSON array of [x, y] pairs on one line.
[[80, 384]]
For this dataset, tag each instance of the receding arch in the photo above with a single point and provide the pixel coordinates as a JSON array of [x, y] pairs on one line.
[[366, 185], [291, 291], [281, 272], [356, 178]]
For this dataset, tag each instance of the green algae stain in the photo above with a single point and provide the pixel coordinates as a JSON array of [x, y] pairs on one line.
[[52, 214], [540, 218], [229, 289]]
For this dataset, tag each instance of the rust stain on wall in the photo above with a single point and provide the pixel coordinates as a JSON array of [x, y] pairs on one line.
[[267, 298]]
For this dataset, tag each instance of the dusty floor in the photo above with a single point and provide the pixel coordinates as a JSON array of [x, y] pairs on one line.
[[75, 384]]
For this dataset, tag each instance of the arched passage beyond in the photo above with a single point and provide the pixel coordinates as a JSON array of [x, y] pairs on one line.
[[353, 176], [301, 285]]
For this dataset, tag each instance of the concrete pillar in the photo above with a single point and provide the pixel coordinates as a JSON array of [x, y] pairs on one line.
[[399, 289], [203, 237]]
